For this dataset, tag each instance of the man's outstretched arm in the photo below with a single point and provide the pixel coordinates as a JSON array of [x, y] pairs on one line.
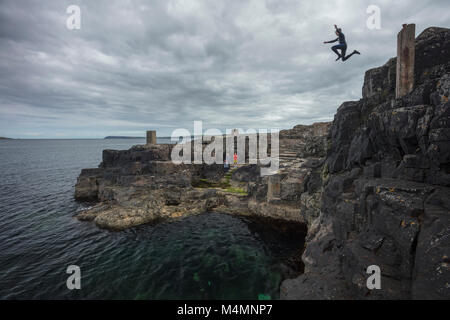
[[331, 41]]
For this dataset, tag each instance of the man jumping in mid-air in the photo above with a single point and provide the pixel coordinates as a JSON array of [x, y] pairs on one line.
[[341, 46]]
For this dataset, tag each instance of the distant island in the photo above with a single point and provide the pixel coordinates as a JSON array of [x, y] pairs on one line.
[[124, 137], [121, 137], [3, 138]]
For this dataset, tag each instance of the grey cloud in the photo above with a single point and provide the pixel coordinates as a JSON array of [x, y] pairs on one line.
[[138, 65]]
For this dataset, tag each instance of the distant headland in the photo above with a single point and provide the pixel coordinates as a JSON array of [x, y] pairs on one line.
[[3, 138], [122, 137]]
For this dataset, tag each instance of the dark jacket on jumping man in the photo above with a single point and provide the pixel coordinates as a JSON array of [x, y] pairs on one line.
[[341, 38]]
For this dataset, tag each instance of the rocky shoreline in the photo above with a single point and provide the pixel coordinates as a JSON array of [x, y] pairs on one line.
[[372, 187], [140, 185]]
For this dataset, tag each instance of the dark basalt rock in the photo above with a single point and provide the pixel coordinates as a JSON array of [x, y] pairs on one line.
[[380, 80], [246, 173], [385, 199]]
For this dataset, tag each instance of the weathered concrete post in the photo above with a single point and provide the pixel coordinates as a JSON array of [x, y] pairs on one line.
[[273, 188], [151, 137], [405, 60]]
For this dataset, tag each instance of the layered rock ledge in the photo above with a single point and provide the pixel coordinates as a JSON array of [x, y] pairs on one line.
[[142, 184]]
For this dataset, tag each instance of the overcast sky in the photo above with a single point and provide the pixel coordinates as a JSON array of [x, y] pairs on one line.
[[140, 65]]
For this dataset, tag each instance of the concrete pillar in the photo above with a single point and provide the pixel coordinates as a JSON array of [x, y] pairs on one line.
[[273, 188], [151, 137], [405, 60]]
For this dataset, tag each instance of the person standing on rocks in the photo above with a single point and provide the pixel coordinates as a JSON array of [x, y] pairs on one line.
[[341, 46]]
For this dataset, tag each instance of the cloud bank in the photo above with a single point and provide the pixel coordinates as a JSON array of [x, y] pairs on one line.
[[141, 65]]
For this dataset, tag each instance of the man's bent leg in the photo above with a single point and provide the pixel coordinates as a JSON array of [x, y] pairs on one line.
[[348, 57], [335, 49]]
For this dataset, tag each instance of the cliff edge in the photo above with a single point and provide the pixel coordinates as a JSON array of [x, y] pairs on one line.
[[386, 194]]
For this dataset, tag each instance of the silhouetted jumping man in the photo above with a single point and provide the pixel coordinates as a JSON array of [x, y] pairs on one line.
[[341, 46]]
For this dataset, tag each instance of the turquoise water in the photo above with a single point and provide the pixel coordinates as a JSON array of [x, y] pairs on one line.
[[209, 256]]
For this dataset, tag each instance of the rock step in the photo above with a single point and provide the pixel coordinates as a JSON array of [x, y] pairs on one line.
[[290, 156]]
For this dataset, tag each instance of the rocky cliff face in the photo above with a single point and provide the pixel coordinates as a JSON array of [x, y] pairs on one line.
[[386, 191], [294, 192]]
